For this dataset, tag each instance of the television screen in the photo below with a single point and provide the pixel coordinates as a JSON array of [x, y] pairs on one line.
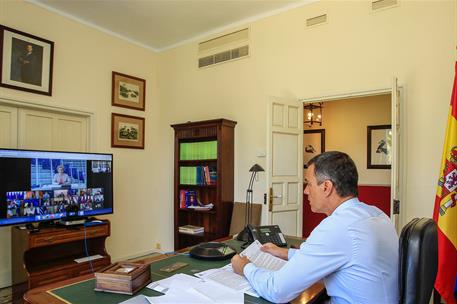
[[41, 185]]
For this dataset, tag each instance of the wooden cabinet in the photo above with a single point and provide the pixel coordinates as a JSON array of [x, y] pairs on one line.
[[204, 146], [48, 255]]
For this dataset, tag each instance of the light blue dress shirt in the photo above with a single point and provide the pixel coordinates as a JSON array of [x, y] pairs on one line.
[[354, 251]]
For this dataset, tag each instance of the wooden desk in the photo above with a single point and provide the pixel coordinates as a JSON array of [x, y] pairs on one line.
[[42, 295]]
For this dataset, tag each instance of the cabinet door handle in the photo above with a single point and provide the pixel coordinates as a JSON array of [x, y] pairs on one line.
[[49, 239]]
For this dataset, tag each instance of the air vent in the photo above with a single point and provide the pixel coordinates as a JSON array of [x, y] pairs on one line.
[[205, 61], [223, 48], [316, 20], [228, 39], [223, 56], [381, 4]]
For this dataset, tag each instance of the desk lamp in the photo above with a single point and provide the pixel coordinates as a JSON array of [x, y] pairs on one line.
[[243, 235]]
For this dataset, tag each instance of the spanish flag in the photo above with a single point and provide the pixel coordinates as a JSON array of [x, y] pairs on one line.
[[445, 212]]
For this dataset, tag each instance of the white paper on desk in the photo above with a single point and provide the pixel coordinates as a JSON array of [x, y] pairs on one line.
[[262, 259], [139, 299], [180, 280], [218, 293], [227, 278], [189, 296]]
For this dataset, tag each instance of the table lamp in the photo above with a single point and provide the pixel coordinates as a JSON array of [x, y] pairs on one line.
[[243, 235]]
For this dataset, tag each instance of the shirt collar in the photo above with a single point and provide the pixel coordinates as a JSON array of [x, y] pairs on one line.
[[346, 204]]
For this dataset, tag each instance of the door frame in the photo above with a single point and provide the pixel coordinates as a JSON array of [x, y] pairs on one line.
[[401, 144]]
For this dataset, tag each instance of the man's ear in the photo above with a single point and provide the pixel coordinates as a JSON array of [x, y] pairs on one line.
[[328, 187]]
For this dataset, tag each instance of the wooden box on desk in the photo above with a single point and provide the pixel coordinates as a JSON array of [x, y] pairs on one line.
[[123, 277]]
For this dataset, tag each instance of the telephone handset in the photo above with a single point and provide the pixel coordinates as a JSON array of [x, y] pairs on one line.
[[266, 234]]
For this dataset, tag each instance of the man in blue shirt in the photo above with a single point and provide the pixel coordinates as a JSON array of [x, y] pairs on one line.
[[354, 251]]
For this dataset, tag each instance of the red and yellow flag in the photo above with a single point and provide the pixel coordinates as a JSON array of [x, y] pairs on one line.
[[445, 212]]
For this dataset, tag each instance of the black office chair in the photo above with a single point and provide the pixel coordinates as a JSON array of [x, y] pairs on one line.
[[418, 261]]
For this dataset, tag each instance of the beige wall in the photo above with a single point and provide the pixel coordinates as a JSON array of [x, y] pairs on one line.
[[355, 51], [83, 61], [345, 122]]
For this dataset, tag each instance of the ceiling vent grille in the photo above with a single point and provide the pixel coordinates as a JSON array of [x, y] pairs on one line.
[[223, 48], [223, 56], [322, 19], [382, 4]]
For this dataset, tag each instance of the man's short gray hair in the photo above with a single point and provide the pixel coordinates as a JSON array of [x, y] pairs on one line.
[[339, 168]]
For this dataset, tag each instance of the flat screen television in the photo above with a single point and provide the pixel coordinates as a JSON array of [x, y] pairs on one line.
[[40, 186]]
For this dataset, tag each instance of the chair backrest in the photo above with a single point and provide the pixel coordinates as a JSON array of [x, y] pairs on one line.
[[239, 210], [418, 261]]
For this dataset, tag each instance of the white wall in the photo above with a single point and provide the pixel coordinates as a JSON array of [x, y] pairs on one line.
[[356, 51], [83, 61]]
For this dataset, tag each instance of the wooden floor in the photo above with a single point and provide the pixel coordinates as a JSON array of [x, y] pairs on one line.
[[7, 296]]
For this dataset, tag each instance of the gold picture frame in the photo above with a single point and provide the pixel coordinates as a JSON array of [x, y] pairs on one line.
[[127, 131], [128, 91]]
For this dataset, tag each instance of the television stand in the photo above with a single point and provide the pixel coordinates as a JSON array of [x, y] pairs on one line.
[[72, 222], [49, 255]]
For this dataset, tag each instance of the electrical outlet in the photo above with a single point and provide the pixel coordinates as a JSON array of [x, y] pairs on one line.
[[158, 246]]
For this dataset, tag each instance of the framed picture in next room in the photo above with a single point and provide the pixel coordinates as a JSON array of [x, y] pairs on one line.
[[313, 144], [127, 131], [128, 91], [25, 61], [379, 147]]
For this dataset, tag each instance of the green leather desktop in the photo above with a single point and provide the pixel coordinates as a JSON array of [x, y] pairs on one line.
[[82, 292]]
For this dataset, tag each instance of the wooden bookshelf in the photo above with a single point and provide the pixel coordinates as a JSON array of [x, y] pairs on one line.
[[196, 138]]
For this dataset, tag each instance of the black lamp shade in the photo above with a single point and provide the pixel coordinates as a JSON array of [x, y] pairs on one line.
[[256, 168]]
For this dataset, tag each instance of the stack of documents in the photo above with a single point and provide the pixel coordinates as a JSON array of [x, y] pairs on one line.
[[191, 229], [219, 285], [183, 288]]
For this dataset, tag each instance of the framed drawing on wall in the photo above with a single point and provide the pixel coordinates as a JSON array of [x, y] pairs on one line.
[[25, 61], [128, 91], [379, 147], [313, 144], [127, 131]]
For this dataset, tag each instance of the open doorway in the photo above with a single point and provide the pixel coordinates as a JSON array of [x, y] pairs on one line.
[[345, 127]]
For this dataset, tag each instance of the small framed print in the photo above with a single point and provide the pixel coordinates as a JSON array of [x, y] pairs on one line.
[[379, 147], [25, 61], [128, 91], [127, 131], [313, 144]]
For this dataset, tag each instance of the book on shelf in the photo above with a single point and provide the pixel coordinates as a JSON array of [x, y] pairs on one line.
[[202, 207], [191, 229], [198, 150], [197, 175]]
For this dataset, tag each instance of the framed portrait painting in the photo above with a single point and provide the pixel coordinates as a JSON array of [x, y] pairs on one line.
[[128, 91], [379, 147], [25, 61], [127, 131], [313, 144]]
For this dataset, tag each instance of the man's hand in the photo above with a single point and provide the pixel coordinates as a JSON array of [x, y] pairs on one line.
[[238, 263], [282, 253]]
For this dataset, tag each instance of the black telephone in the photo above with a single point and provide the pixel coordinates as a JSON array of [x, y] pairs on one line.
[[266, 234]]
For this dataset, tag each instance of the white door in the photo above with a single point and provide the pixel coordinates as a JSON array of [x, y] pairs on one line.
[[8, 139], [395, 154], [285, 165], [42, 130], [8, 127]]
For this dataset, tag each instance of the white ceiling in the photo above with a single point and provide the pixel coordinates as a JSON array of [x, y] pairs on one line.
[[163, 24]]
